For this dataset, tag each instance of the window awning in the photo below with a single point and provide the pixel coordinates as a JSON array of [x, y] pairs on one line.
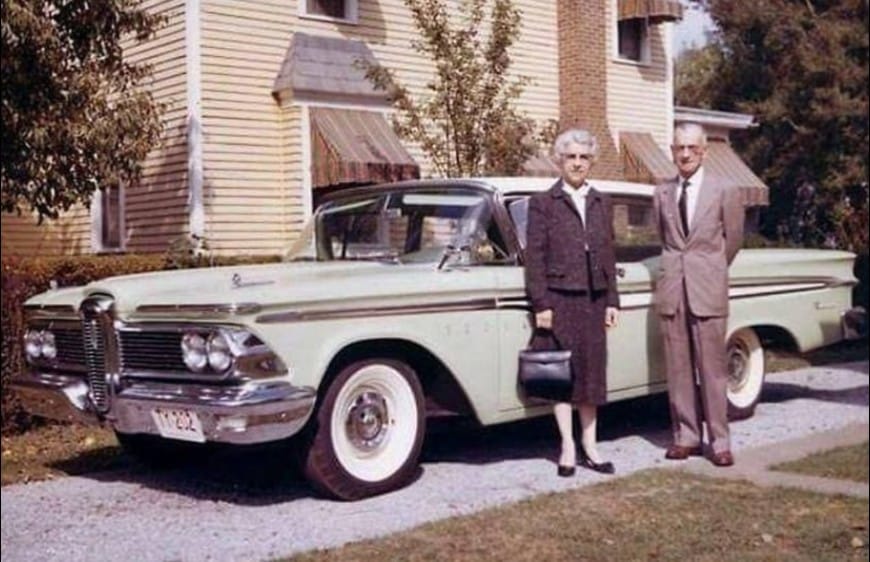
[[541, 165], [353, 146], [656, 11], [644, 160], [724, 162]]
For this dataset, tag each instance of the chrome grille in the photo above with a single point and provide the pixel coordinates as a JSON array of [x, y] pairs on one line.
[[95, 316], [70, 346], [151, 351]]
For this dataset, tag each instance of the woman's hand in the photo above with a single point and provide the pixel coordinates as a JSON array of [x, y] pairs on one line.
[[544, 319], [611, 317]]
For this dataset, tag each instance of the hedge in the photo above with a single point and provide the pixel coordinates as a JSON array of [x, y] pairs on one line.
[[24, 277]]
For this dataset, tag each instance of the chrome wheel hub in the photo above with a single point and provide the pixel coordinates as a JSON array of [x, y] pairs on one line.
[[367, 422], [738, 360]]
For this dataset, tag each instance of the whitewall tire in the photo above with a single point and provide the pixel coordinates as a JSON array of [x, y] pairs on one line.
[[745, 357], [368, 432]]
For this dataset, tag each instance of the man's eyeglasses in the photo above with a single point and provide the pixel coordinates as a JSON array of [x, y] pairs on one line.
[[696, 148]]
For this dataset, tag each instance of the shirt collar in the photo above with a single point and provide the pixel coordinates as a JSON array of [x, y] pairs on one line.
[[695, 179], [582, 191]]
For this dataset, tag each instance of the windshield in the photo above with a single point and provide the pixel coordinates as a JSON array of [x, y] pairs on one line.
[[402, 227]]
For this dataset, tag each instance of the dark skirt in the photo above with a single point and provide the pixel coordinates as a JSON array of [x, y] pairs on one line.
[[578, 324]]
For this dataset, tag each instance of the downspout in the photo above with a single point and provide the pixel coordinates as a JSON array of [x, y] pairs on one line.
[[193, 60], [669, 81]]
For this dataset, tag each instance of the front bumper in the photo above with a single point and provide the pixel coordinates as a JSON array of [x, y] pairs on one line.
[[255, 412]]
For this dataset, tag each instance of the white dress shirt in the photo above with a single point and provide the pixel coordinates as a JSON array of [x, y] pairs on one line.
[[692, 191], [578, 197]]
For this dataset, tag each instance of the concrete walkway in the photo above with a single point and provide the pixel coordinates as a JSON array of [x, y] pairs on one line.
[[754, 464]]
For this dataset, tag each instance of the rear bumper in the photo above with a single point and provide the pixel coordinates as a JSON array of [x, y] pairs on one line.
[[255, 412]]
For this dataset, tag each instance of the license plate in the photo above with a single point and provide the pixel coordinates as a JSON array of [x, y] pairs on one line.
[[178, 424]]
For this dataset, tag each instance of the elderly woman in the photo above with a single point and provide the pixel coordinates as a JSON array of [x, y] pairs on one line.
[[571, 280]]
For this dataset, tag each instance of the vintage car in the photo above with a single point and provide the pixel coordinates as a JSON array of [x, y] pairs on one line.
[[398, 301]]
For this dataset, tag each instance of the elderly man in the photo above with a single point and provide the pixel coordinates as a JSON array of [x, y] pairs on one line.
[[701, 229]]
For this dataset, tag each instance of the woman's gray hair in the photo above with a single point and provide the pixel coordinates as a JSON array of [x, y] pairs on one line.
[[580, 136]]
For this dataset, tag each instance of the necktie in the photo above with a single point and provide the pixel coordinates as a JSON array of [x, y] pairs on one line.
[[684, 215]]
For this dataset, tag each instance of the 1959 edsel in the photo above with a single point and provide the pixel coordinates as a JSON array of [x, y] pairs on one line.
[[397, 301]]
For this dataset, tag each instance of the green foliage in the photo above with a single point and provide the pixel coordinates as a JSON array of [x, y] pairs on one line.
[[75, 118], [467, 123], [802, 69]]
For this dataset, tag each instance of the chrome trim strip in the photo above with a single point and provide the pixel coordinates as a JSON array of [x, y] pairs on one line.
[[202, 310], [333, 314]]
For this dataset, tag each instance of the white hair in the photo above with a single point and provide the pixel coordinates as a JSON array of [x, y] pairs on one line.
[[580, 136], [690, 127]]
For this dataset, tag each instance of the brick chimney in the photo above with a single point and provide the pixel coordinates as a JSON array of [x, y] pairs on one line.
[[583, 78]]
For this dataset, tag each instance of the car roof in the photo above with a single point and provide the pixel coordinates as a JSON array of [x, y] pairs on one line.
[[507, 186], [523, 185]]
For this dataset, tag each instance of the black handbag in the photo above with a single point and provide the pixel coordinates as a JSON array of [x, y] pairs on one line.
[[546, 373]]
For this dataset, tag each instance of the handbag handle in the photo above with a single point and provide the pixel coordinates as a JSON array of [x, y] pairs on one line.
[[539, 334]]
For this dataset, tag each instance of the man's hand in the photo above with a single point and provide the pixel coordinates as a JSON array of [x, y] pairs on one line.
[[611, 317], [544, 319]]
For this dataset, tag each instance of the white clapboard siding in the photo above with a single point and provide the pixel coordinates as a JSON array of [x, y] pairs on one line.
[[150, 217], [632, 89], [253, 149]]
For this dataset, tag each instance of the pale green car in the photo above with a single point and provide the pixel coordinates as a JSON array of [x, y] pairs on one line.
[[399, 301]]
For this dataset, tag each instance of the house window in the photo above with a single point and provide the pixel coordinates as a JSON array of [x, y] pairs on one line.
[[345, 10], [633, 38], [108, 219]]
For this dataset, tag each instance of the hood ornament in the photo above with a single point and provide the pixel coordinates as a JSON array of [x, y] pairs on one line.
[[238, 282]]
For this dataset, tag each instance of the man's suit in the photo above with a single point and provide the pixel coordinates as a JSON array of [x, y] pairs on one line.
[[692, 299]]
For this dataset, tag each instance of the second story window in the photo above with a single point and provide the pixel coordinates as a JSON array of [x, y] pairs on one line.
[[344, 10], [633, 34]]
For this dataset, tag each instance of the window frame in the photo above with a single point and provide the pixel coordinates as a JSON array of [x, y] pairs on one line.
[[351, 10], [643, 40], [99, 241]]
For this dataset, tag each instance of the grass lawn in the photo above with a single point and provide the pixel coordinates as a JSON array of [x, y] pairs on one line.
[[844, 463], [652, 515]]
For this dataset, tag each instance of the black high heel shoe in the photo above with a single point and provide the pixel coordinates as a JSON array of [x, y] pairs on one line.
[[605, 467], [565, 471]]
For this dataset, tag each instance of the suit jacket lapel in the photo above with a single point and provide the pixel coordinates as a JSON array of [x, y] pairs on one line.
[[706, 192]]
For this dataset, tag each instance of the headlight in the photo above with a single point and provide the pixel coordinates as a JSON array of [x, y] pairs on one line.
[[220, 356], [193, 351], [33, 344], [49, 348]]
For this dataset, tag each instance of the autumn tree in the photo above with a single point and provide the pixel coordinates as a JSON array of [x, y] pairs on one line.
[[800, 67], [75, 118], [466, 121]]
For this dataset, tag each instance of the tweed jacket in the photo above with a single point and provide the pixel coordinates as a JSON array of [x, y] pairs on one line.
[[555, 256], [700, 258]]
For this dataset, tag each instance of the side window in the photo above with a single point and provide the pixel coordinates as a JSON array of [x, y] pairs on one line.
[[519, 212], [634, 229], [107, 219]]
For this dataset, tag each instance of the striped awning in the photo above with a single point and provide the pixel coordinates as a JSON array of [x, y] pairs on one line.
[[354, 147], [656, 11], [541, 165], [644, 161], [724, 162]]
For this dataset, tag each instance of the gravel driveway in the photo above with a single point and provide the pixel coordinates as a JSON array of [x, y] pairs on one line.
[[250, 508]]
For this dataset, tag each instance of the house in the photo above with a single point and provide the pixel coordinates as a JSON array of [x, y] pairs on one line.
[[267, 109]]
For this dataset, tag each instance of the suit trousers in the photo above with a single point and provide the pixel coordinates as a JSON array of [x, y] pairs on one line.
[[695, 347]]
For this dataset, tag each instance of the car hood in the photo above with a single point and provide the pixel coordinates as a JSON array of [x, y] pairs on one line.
[[272, 286]]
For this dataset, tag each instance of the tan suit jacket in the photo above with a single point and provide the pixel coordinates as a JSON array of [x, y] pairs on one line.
[[699, 258]]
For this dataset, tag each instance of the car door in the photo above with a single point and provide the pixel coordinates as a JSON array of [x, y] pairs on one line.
[[635, 358]]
